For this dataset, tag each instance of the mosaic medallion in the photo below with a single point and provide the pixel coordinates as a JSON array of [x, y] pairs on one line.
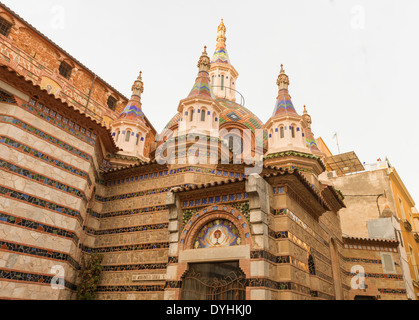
[[218, 233]]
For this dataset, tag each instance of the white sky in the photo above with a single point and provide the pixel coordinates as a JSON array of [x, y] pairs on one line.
[[353, 63]]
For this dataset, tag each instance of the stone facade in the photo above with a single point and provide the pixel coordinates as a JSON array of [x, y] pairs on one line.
[[69, 189]]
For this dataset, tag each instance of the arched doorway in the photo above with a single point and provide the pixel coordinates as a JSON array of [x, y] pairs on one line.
[[214, 281]]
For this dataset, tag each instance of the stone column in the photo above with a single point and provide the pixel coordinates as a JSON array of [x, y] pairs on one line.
[[173, 203], [259, 190]]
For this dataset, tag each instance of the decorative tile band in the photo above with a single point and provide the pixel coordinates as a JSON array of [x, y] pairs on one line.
[[46, 158], [378, 275], [20, 124], [136, 267], [391, 291], [271, 284], [58, 120], [260, 254], [147, 227], [137, 194], [40, 202], [131, 247], [173, 260], [38, 252], [30, 224], [362, 260], [127, 212], [163, 173], [149, 288], [13, 275], [5, 97], [215, 199], [42, 179], [365, 247]]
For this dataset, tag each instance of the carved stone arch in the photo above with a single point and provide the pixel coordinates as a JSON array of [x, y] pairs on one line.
[[8, 18], [211, 213]]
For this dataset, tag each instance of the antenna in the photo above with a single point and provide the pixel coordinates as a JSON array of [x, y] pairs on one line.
[[335, 136]]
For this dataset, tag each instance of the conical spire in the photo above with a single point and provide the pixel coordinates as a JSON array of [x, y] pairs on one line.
[[221, 54], [283, 102], [310, 140], [202, 83], [133, 109]]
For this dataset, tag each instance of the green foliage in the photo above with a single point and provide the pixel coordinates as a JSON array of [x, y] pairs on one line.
[[90, 276]]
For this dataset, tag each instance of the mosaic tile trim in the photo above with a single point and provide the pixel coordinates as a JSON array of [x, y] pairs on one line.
[[374, 248], [38, 252], [362, 260], [7, 274], [7, 166], [126, 212], [229, 197], [158, 174], [58, 120], [377, 275], [137, 194], [227, 209], [20, 124], [278, 235], [131, 247], [324, 276], [392, 291], [271, 284], [147, 288], [40, 202], [5, 97], [325, 296], [147, 227], [173, 260], [30, 224], [46, 158], [173, 284], [136, 267]]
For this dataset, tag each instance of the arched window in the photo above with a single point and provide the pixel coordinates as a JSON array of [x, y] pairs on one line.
[[222, 82], [127, 136], [212, 80], [203, 112], [311, 265], [192, 112], [293, 131], [138, 139], [235, 144], [117, 135], [281, 132]]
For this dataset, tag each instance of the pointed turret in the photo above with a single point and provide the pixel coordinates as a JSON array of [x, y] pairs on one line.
[[220, 54], [133, 109], [310, 140], [283, 101], [130, 130], [222, 73], [200, 110], [202, 83]]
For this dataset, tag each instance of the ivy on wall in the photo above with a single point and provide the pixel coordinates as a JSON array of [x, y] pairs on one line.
[[90, 276]]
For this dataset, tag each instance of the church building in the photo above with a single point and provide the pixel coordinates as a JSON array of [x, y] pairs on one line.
[[219, 205]]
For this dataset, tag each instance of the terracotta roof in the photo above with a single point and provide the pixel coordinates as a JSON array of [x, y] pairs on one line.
[[384, 241]]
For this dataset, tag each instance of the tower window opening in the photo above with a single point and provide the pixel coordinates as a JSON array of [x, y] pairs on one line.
[[222, 82], [192, 112], [65, 70], [117, 136], [293, 132], [203, 115], [128, 136], [138, 139], [111, 103], [311, 265], [282, 132], [5, 27]]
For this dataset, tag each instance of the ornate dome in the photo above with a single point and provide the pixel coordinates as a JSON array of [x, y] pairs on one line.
[[233, 113]]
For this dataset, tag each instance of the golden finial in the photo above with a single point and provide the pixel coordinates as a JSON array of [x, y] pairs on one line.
[[204, 62], [205, 49], [283, 80], [305, 110], [221, 32], [138, 86]]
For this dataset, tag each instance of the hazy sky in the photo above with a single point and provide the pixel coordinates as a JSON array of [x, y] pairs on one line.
[[353, 63]]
